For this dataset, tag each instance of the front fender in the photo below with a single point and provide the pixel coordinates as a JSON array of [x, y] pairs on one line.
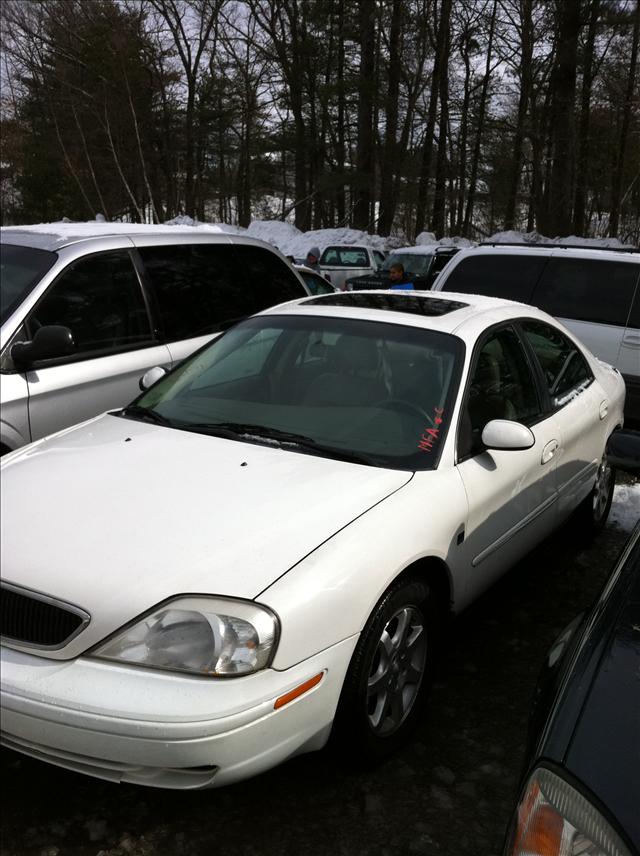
[[330, 594]]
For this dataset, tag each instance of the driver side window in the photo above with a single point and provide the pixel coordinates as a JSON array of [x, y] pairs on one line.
[[502, 386]]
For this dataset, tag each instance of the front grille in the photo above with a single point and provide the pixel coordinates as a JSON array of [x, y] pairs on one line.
[[33, 621]]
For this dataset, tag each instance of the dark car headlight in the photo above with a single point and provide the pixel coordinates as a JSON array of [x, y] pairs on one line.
[[554, 819]]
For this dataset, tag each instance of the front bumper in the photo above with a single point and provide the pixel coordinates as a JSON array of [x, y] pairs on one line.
[[163, 729]]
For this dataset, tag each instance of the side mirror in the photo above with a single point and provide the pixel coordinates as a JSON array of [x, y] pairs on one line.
[[49, 342], [504, 434], [152, 376]]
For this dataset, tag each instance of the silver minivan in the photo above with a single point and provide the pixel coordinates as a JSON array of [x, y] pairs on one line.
[[594, 291], [87, 309]]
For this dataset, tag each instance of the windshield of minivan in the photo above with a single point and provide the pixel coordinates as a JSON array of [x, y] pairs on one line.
[[21, 268], [370, 392]]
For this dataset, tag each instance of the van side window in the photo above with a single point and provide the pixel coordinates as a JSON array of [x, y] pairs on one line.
[[270, 280], [502, 387], [510, 276], [587, 290], [198, 287], [565, 370], [100, 300]]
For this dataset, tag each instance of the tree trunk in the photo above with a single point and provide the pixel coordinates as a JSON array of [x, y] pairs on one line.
[[364, 155], [582, 163], [526, 28], [390, 157], [563, 88], [439, 202], [624, 130], [473, 178]]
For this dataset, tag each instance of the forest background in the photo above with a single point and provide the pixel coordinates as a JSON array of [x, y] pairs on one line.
[[460, 117]]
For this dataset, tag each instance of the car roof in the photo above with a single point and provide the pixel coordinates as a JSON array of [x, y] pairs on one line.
[[448, 312], [424, 250], [572, 251], [54, 236]]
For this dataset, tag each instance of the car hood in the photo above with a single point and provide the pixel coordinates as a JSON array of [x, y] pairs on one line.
[[381, 280], [115, 516], [604, 751]]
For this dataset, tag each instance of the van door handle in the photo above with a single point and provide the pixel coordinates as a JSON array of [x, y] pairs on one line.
[[604, 408], [549, 451], [631, 340]]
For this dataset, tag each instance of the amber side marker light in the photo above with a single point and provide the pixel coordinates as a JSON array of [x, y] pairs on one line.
[[298, 691]]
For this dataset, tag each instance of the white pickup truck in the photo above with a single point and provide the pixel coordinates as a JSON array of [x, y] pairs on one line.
[[341, 262]]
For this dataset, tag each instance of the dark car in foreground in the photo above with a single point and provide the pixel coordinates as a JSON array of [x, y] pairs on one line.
[[581, 788], [422, 264]]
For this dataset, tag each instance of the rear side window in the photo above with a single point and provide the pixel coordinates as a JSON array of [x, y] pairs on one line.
[[565, 370], [270, 279], [634, 316], [202, 288], [593, 290], [510, 277], [100, 300], [198, 288]]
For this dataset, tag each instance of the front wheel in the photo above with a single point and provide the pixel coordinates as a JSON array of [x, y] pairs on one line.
[[594, 510], [390, 673]]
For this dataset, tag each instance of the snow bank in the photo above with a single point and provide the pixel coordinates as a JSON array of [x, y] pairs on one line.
[[625, 508], [293, 242], [511, 237]]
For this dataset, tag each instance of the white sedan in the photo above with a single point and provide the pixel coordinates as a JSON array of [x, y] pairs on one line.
[[262, 550]]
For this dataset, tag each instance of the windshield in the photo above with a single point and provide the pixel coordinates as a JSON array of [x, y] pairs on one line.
[[375, 393], [21, 268], [411, 262]]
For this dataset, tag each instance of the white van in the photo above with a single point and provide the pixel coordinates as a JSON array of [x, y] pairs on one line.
[[594, 292], [87, 309]]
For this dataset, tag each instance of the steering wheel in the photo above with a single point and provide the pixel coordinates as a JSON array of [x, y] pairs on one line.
[[401, 405]]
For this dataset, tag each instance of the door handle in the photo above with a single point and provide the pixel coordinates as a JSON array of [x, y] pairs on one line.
[[631, 340], [604, 408], [549, 451]]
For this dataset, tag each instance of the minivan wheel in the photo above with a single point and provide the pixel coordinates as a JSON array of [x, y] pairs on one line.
[[389, 677], [594, 510]]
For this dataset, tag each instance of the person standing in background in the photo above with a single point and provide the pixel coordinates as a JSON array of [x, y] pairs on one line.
[[398, 279], [313, 259]]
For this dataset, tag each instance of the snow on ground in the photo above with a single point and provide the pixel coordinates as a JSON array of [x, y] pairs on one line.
[[625, 508]]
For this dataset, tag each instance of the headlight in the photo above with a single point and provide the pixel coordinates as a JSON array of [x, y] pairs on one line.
[[199, 635], [554, 819]]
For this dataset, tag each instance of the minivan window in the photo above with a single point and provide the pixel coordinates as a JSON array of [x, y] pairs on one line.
[[21, 268], [587, 290], [100, 300], [512, 277], [634, 315], [198, 287], [271, 280], [565, 370]]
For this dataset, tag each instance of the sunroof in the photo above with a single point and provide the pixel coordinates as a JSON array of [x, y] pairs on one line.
[[391, 301]]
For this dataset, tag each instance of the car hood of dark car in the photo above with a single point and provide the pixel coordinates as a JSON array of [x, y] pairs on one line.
[[600, 737], [381, 280]]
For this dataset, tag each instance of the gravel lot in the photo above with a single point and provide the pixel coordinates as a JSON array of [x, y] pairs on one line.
[[449, 792]]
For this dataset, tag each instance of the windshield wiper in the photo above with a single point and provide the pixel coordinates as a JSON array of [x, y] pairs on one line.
[[240, 431], [144, 414]]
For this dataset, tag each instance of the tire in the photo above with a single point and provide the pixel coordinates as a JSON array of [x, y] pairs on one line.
[[390, 674], [594, 510]]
